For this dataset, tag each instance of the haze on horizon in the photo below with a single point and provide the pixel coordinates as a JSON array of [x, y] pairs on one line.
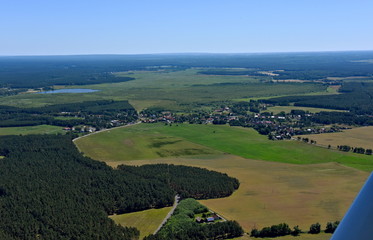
[[69, 27]]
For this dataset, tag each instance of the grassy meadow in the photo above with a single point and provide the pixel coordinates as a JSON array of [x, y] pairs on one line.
[[287, 109], [174, 90], [134, 142], [146, 221], [140, 142], [356, 137], [40, 129]]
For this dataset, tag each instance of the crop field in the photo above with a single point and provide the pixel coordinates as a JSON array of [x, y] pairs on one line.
[[174, 90], [287, 109], [272, 193], [133, 143], [321, 236], [41, 129], [146, 221], [356, 137]]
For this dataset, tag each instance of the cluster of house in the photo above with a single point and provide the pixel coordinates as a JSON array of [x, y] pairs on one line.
[[88, 129], [280, 126]]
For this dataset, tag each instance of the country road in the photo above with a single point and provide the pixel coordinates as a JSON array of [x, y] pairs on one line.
[[176, 202]]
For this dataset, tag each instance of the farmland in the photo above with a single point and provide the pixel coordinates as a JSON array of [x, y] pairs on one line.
[[174, 90], [287, 109], [146, 221], [281, 180], [271, 191], [41, 129], [244, 142], [355, 137]]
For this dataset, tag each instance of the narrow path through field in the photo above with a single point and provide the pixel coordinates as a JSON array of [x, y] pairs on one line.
[[176, 202], [106, 129]]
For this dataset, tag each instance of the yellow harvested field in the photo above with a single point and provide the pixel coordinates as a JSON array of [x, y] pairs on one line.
[[356, 137], [271, 193], [146, 221], [304, 236]]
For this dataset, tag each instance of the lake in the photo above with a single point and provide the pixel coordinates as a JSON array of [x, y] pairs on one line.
[[71, 90]]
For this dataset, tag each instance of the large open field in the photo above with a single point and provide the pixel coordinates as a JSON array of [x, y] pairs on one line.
[[356, 137], [120, 144], [146, 221], [287, 109], [177, 90], [271, 191]]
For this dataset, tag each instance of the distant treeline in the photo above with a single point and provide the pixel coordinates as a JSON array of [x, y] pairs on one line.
[[34, 72], [48, 190], [356, 97], [94, 113]]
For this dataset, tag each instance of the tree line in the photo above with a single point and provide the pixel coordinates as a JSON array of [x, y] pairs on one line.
[[283, 229]]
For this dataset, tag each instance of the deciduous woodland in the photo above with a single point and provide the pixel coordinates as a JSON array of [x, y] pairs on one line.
[[48, 190]]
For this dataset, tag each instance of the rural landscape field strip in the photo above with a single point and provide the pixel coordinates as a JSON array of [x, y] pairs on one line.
[[174, 90], [171, 141], [146, 221], [40, 129], [355, 137]]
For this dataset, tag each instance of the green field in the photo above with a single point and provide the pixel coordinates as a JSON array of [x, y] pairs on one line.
[[146, 221], [41, 129], [287, 109], [67, 118], [133, 143], [174, 90]]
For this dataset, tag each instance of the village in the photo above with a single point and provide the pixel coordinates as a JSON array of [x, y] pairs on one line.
[[276, 126]]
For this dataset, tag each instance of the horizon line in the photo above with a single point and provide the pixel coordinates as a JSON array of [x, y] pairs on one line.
[[180, 53]]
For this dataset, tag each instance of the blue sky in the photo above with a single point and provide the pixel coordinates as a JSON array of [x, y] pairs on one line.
[[50, 27]]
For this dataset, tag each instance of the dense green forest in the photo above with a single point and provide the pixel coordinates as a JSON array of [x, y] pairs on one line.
[[183, 226], [98, 114], [187, 181], [48, 190]]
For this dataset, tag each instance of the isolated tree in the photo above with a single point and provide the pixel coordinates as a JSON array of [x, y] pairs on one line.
[[296, 231], [331, 227], [315, 228]]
